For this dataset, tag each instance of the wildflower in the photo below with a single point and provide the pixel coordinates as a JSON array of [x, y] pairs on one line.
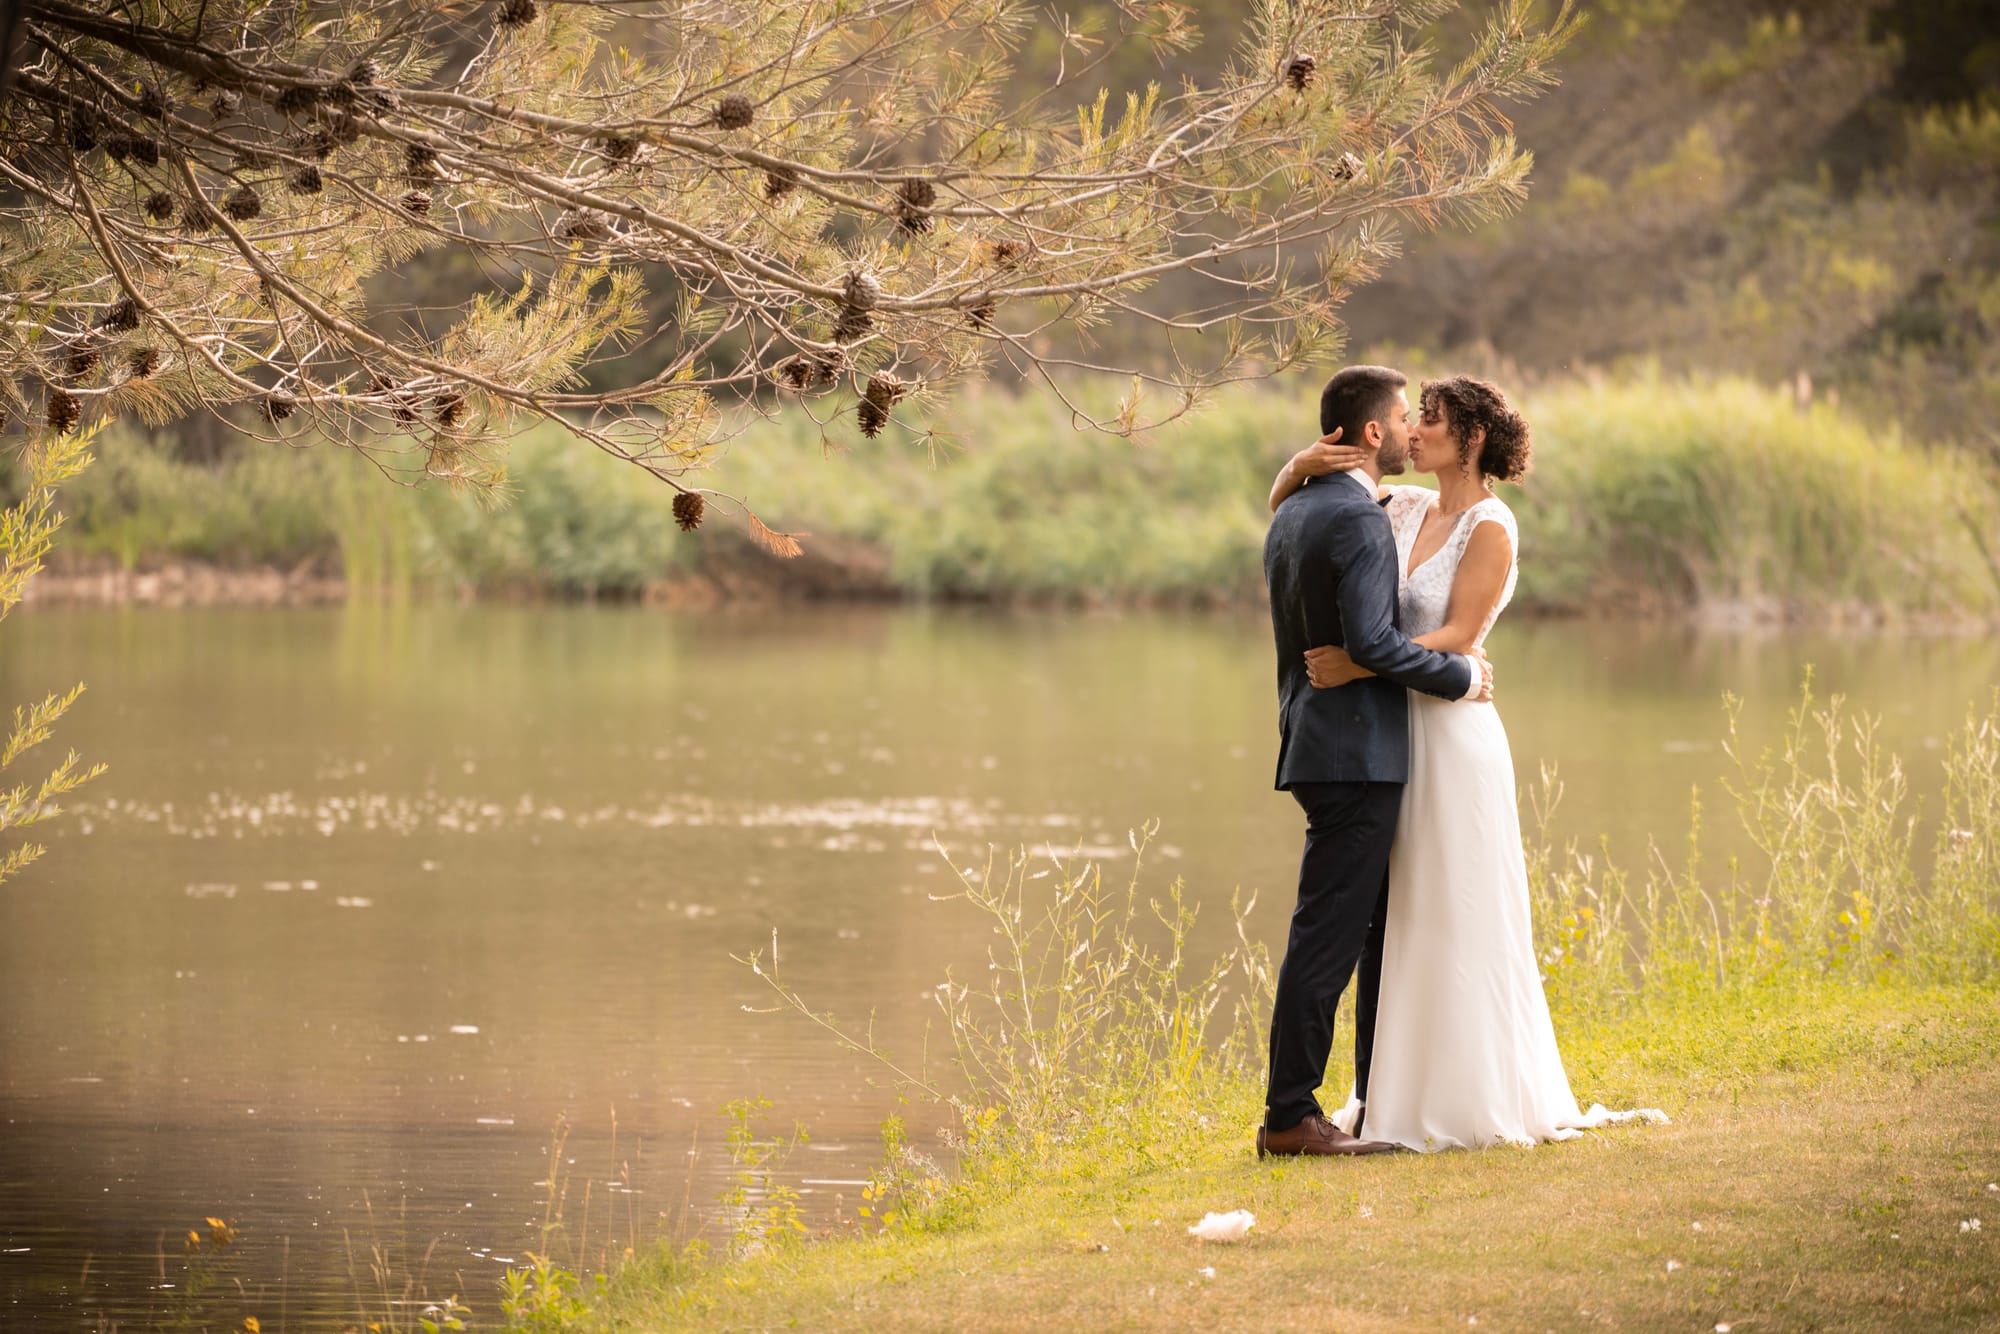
[[1206, 1271], [1672, 1265], [1232, 1226], [1697, 1227]]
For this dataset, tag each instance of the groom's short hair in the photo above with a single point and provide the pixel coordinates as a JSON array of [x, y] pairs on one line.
[[1356, 396]]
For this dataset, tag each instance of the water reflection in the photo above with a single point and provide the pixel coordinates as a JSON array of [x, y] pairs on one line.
[[370, 898]]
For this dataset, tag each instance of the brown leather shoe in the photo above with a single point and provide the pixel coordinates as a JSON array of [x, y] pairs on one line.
[[1317, 1137]]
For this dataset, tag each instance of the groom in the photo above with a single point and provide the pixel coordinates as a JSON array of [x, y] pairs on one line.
[[1330, 560]]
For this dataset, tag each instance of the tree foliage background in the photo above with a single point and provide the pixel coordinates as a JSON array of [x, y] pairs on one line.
[[420, 224]]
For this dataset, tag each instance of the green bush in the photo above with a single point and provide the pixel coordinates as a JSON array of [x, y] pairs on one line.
[[1649, 493]]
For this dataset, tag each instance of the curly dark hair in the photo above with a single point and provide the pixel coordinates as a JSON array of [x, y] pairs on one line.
[[1468, 405]]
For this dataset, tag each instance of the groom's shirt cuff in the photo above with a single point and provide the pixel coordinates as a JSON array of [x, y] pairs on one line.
[[1473, 689]]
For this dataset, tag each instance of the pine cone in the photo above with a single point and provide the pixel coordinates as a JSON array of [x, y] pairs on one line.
[[517, 13], [119, 147], [298, 99], [277, 406], [873, 418], [315, 144], [779, 182], [688, 510], [162, 207], [851, 324], [122, 317], [146, 152], [64, 412], [364, 73], [450, 409], [1299, 73], [582, 225], [419, 166], [884, 391], [143, 361], [795, 372], [862, 290], [198, 217], [914, 196], [305, 181], [1347, 168], [618, 147], [1006, 254], [225, 103], [79, 360], [82, 129], [982, 315], [242, 204], [417, 202], [155, 101], [735, 112]]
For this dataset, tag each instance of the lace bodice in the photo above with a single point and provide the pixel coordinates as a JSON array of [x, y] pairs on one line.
[[1426, 591]]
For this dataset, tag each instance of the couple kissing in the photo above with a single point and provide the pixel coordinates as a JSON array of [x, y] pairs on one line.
[[1413, 876]]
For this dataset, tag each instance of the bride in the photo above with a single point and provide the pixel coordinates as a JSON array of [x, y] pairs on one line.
[[1464, 1053]]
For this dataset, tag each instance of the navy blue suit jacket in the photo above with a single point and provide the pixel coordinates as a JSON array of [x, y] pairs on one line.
[[1330, 563]]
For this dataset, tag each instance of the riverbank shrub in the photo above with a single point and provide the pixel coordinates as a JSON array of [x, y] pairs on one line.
[[1717, 497]]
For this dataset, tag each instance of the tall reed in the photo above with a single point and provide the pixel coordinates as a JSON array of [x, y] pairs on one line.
[[1833, 891]]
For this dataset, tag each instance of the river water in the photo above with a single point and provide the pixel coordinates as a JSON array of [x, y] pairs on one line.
[[370, 899]]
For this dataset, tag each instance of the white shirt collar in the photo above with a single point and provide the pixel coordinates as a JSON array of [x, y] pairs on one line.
[[1360, 479]]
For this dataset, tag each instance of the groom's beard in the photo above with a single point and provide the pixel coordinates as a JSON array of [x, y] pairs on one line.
[[1393, 465]]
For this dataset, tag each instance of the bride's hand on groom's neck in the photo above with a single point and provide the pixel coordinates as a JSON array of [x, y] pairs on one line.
[[1327, 455], [1323, 456]]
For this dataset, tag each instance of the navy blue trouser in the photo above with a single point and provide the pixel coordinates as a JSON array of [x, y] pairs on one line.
[[1343, 895]]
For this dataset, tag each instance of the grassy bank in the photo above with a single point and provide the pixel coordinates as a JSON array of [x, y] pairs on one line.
[[1649, 495], [1825, 1148], [1820, 1020]]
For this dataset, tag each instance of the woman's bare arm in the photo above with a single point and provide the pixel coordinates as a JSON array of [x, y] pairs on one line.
[[1475, 592], [1316, 460]]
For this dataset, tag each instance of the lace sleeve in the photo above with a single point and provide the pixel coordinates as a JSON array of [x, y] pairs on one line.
[[1407, 499], [1492, 510]]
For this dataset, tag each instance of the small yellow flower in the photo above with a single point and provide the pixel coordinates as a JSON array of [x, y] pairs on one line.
[[250, 1325]]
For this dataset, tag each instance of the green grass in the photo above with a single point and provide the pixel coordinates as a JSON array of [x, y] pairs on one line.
[[1668, 496], [1829, 1142], [1821, 1019]]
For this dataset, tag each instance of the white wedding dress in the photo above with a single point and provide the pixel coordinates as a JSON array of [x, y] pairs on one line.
[[1465, 1055]]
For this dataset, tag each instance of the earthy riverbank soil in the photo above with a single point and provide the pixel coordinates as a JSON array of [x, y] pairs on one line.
[[728, 570]]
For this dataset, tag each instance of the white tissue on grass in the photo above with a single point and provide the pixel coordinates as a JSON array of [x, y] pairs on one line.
[[1232, 1226]]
